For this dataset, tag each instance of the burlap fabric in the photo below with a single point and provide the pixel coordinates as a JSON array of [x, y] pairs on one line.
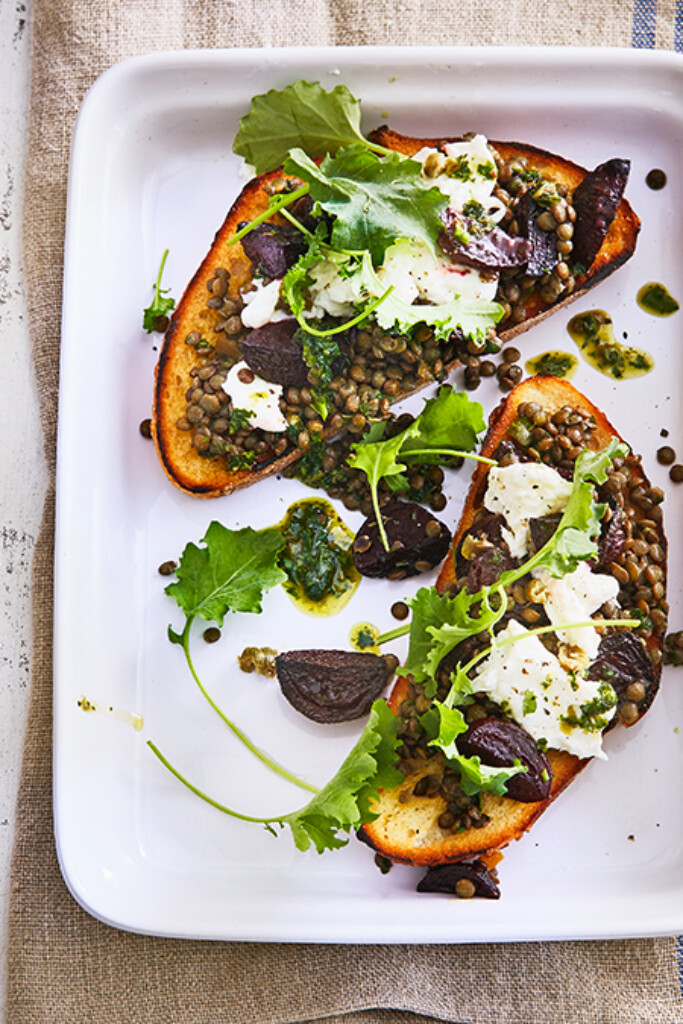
[[63, 965]]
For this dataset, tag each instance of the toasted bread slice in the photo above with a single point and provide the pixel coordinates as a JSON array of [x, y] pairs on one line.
[[618, 246], [407, 828], [207, 475]]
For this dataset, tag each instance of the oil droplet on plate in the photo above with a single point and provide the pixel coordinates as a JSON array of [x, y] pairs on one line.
[[127, 717], [593, 332], [318, 557], [656, 299], [363, 637], [555, 363]]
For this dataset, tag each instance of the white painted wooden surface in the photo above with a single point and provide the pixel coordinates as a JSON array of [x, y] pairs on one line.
[[22, 471]]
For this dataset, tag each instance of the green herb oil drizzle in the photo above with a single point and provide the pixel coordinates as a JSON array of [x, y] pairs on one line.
[[594, 334], [318, 560]]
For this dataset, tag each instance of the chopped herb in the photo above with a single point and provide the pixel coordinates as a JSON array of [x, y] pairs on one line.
[[530, 703], [319, 354], [238, 419], [487, 170], [365, 638], [460, 169], [242, 461], [591, 717]]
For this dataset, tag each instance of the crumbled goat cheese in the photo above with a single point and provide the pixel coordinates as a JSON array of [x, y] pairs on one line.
[[530, 684], [524, 491], [247, 391]]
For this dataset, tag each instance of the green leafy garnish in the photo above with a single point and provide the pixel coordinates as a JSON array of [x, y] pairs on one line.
[[345, 802], [575, 539], [302, 116], [440, 623], [230, 573], [447, 427], [476, 777], [374, 201], [296, 282], [161, 305]]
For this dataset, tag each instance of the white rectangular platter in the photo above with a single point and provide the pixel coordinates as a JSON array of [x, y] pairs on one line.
[[152, 168]]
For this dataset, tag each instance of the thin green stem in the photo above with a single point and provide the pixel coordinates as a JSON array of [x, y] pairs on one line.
[[241, 736], [381, 150], [161, 271], [204, 796], [363, 315], [275, 205], [538, 631], [374, 494], [453, 452], [393, 634], [297, 224]]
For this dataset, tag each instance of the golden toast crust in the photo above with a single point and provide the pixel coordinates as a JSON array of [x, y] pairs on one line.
[[406, 829], [208, 478]]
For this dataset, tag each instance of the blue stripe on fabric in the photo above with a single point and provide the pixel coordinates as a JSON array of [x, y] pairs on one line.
[[679, 960], [644, 24], [678, 26]]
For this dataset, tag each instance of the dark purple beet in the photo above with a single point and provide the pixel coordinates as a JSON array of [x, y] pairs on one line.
[[542, 244], [418, 541], [274, 248], [596, 201], [612, 539], [272, 352], [542, 528], [444, 878], [490, 555], [498, 742], [487, 567], [332, 686], [622, 659], [493, 250]]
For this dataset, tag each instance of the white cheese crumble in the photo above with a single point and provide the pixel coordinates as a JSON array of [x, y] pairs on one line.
[[530, 684], [470, 174], [415, 273], [256, 395], [574, 598], [261, 305], [524, 491]]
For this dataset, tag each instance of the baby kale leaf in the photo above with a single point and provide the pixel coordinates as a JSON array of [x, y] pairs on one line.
[[374, 201], [230, 573], [302, 115]]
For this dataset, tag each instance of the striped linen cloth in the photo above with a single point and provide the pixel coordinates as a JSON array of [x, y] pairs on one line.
[[64, 967]]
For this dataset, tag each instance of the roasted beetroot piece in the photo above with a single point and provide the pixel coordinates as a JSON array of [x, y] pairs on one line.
[[272, 353], [623, 662], [498, 742], [542, 528], [418, 541], [483, 555], [612, 540], [274, 248], [596, 201], [493, 250], [466, 879], [542, 244], [332, 686]]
